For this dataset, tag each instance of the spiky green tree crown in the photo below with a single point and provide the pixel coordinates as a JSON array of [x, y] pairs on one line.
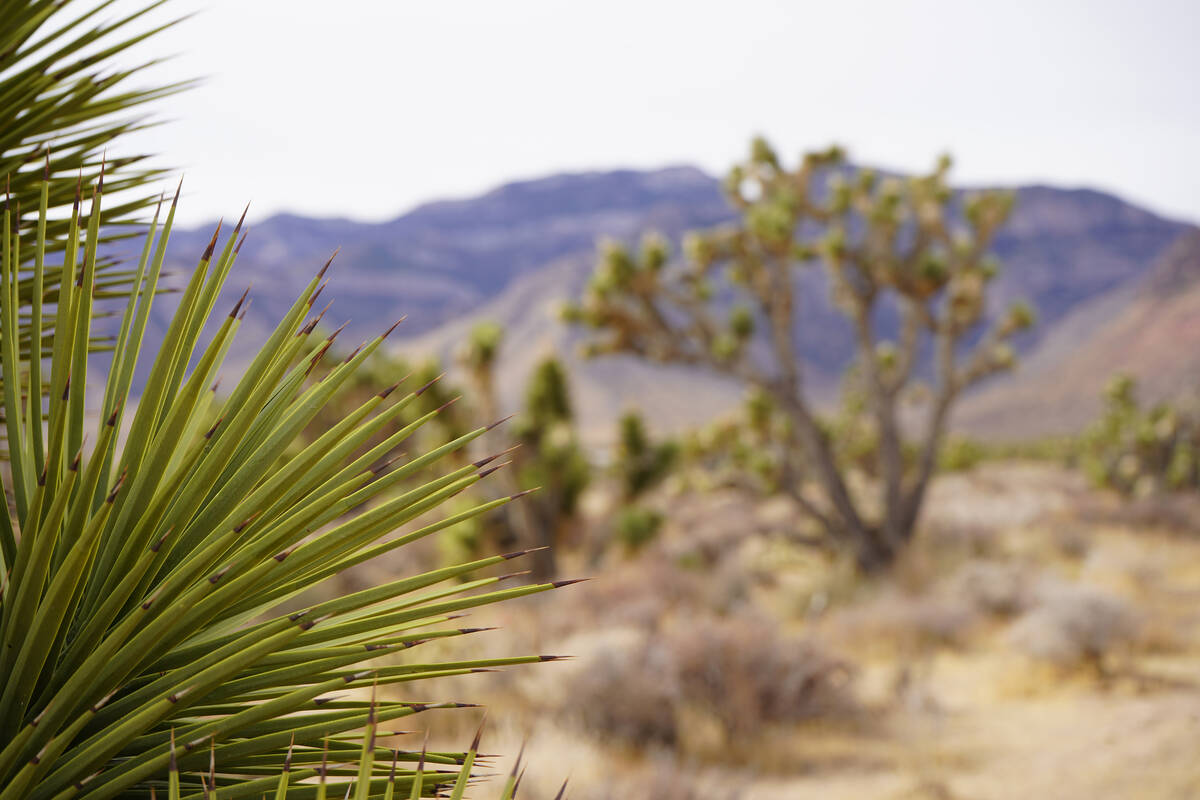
[[733, 304], [907, 237], [140, 583], [551, 456], [1141, 451], [641, 463]]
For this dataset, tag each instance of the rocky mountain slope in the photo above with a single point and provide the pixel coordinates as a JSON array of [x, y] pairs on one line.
[[513, 254], [1148, 328]]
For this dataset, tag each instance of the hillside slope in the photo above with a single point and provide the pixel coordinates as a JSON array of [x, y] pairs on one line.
[[1150, 330], [515, 253]]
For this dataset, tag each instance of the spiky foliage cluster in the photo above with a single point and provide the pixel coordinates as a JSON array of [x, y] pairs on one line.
[[62, 102], [884, 242], [1140, 451], [142, 574], [640, 465]]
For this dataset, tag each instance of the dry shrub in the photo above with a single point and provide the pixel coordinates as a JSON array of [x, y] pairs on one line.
[[993, 587], [628, 694], [1074, 625], [742, 673], [904, 623], [663, 779], [1073, 540], [962, 537], [1177, 513], [641, 594], [747, 675]]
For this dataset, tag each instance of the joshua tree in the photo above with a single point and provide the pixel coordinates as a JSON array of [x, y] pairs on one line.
[[640, 465], [1139, 451], [911, 245], [549, 458]]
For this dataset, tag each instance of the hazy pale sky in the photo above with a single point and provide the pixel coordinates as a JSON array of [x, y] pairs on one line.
[[364, 108]]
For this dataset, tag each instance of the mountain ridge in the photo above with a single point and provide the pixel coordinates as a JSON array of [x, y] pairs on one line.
[[444, 262]]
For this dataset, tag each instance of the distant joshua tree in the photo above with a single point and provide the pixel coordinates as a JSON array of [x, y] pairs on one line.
[[907, 243], [549, 458]]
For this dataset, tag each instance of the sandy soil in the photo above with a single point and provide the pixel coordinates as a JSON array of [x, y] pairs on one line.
[[972, 717]]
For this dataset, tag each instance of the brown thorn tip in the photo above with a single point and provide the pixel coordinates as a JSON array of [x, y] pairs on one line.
[[522, 494], [383, 395], [447, 404], [479, 733], [312, 301], [426, 386], [154, 548], [238, 305], [340, 328], [116, 487], [242, 218], [554, 658], [560, 584], [394, 324], [212, 244], [520, 756], [490, 470], [378, 470], [499, 422], [241, 526], [519, 553], [327, 263], [511, 575], [483, 462]]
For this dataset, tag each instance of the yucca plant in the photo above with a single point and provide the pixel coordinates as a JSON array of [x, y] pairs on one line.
[[63, 102], [142, 572]]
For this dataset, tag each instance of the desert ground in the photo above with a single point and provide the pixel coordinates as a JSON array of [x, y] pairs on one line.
[[1040, 640]]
